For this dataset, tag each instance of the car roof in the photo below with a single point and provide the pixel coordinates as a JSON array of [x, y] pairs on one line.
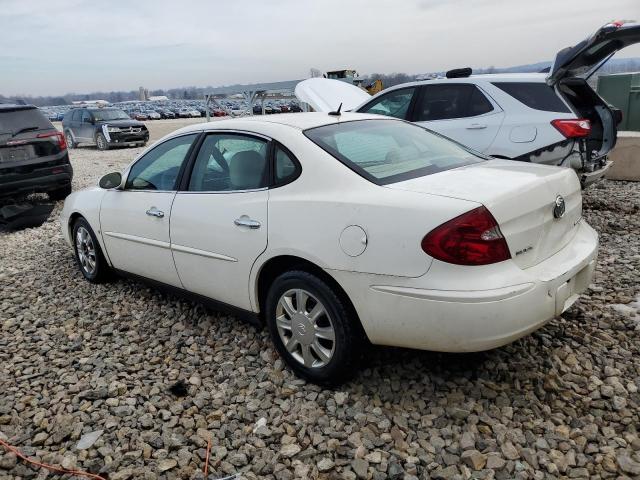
[[489, 77], [300, 121], [15, 106]]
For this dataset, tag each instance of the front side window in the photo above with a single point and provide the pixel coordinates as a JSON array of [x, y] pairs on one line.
[[159, 168], [393, 104], [448, 101], [229, 162], [389, 151]]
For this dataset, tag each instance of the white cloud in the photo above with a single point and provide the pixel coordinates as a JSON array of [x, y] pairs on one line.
[[76, 45]]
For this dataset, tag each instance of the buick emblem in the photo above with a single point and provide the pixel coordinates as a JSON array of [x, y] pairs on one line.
[[301, 328], [559, 207]]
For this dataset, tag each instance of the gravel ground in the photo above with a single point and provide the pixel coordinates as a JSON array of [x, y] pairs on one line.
[[76, 358]]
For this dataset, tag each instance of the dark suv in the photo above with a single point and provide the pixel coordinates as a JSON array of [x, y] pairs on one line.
[[33, 154], [103, 127]]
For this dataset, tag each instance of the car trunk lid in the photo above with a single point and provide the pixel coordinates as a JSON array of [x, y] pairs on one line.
[[326, 95], [593, 51], [521, 197]]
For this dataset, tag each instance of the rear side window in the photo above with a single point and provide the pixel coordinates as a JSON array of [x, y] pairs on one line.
[[393, 104], [538, 96], [389, 151], [23, 120], [286, 168], [448, 101]]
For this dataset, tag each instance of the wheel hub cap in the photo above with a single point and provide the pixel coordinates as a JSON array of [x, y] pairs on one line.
[[305, 328], [86, 250]]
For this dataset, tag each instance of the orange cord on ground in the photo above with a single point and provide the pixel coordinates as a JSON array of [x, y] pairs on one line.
[[53, 468], [206, 461]]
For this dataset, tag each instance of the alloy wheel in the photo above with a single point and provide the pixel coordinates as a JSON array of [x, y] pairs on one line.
[[86, 250], [305, 328]]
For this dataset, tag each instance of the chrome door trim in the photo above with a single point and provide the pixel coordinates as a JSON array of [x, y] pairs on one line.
[[202, 253], [216, 192], [136, 239]]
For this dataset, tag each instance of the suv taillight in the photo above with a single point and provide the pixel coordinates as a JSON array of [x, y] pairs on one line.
[[62, 142], [573, 128], [473, 238]]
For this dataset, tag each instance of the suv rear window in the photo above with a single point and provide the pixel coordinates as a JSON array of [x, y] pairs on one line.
[[13, 121], [389, 151], [538, 96]]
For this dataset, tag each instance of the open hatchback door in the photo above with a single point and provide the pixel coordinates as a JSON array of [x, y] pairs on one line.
[[569, 74], [592, 52], [326, 95]]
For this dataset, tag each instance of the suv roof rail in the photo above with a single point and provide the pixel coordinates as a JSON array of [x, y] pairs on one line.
[[459, 72]]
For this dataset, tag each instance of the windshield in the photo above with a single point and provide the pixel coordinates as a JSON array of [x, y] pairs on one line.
[[388, 151], [102, 115]]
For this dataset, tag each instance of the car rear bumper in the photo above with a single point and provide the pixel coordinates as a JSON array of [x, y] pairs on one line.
[[474, 318], [588, 178], [36, 180]]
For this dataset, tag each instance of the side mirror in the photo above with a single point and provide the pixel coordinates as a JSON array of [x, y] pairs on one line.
[[111, 180]]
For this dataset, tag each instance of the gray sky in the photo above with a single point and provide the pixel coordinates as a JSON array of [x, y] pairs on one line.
[[61, 46]]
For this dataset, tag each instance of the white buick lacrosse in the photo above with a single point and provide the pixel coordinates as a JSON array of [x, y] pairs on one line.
[[335, 230]]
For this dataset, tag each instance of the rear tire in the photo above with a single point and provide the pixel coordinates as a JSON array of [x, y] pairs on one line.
[[88, 253], [71, 144], [312, 328], [59, 193], [101, 142]]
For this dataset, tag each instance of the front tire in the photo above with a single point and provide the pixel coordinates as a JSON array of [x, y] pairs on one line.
[[71, 144], [312, 328], [101, 142], [88, 253]]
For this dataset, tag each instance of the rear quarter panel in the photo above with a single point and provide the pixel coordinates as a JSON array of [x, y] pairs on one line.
[[308, 216], [525, 129]]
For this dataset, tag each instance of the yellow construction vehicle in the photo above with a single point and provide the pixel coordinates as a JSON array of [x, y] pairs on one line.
[[351, 76]]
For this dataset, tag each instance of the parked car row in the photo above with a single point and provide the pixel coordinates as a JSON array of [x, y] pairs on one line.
[[170, 109], [270, 109]]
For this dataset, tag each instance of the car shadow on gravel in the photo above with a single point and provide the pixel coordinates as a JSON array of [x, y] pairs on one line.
[[18, 213]]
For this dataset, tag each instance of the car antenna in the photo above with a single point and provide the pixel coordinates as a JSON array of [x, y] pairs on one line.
[[337, 112]]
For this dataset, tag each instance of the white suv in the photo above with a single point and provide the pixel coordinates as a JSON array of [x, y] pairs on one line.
[[552, 118]]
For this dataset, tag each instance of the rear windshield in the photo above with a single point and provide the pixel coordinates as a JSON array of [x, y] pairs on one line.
[[538, 96], [388, 151], [102, 115], [15, 121]]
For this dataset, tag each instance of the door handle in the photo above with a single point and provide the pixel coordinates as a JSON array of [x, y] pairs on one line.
[[476, 126], [245, 221], [154, 212]]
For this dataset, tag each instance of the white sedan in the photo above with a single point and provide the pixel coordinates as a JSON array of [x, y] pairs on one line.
[[338, 229]]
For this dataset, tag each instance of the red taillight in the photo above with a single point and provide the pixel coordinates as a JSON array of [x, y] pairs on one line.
[[573, 128], [62, 142], [473, 238]]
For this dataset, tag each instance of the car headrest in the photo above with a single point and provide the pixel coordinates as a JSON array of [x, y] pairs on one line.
[[246, 169]]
